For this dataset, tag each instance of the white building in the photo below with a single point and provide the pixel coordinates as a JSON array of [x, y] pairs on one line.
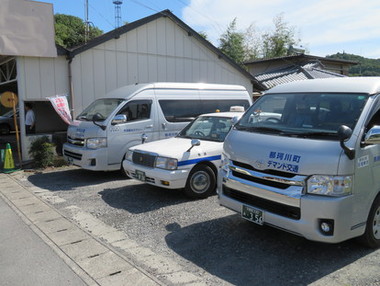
[[160, 47]]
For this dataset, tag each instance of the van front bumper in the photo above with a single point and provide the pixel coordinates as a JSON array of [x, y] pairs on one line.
[[304, 220], [90, 159], [175, 179]]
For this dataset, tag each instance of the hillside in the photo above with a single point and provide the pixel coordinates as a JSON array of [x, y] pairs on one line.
[[366, 67]]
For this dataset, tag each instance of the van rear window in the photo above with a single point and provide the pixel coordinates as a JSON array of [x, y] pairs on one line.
[[187, 110]]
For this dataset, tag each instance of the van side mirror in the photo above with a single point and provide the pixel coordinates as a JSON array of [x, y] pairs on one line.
[[194, 142], [119, 119], [98, 117], [234, 120], [345, 132], [373, 135]]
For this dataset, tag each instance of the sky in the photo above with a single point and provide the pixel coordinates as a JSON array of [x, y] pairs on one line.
[[325, 27]]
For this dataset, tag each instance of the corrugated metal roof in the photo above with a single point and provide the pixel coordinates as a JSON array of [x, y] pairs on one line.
[[293, 73]]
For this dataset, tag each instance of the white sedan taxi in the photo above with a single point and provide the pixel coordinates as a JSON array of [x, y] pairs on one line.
[[190, 160]]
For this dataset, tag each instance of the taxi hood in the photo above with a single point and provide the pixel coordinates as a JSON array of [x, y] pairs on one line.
[[177, 147], [287, 154]]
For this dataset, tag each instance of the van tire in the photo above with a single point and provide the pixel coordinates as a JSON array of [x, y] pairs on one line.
[[201, 182], [371, 236]]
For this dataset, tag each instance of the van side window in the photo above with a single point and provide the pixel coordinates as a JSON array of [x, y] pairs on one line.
[[375, 120], [137, 110], [187, 110]]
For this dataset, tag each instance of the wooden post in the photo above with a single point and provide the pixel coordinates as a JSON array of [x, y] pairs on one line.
[[16, 127]]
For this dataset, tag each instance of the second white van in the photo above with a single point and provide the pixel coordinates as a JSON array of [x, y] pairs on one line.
[[101, 135]]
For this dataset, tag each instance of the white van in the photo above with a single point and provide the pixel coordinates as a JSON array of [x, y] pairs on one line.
[[100, 137], [311, 164]]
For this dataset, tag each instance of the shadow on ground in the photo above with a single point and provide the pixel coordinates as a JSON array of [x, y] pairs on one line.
[[247, 254], [67, 180], [141, 198]]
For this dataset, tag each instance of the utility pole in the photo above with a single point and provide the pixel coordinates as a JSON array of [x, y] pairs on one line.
[[86, 22]]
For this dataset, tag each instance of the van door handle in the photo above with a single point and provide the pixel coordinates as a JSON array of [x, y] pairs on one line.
[[163, 125], [149, 126]]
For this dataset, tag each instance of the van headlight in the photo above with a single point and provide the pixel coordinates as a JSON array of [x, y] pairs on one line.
[[225, 163], [334, 186], [129, 155], [96, 143], [166, 163]]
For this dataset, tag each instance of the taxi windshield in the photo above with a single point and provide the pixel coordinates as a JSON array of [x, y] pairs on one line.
[[307, 115], [211, 128]]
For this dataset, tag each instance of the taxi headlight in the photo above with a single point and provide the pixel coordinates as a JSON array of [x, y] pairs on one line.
[[96, 143], [334, 186], [129, 155], [166, 163]]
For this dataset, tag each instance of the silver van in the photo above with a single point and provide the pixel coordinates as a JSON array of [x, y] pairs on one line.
[[305, 158], [101, 135]]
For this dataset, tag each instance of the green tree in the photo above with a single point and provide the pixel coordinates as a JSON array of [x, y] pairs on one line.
[[70, 31], [232, 43], [279, 42]]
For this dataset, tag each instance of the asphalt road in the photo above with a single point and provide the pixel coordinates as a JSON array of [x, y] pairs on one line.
[[204, 238]]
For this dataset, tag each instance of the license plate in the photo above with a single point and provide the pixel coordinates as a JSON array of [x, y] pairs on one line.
[[252, 214], [140, 175]]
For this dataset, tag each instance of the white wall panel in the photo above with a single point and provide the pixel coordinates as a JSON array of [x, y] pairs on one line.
[[132, 68], [170, 69], [99, 73], [153, 70], [47, 76], [142, 39], [122, 70], [121, 43], [162, 68], [87, 76], [142, 68], [170, 39], [152, 38], [132, 41], [110, 68], [161, 35]]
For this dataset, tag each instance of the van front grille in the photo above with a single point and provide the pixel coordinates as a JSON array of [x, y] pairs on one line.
[[269, 172], [75, 141], [73, 155], [143, 159], [263, 204], [273, 184]]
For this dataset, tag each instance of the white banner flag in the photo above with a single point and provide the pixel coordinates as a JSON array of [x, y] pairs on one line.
[[61, 106]]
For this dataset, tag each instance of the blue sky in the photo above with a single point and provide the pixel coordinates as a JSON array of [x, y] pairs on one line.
[[324, 26]]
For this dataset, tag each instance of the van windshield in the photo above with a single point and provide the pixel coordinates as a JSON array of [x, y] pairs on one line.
[[104, 107], [307, 115]]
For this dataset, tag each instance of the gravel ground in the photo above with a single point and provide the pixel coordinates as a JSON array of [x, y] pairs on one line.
[[205, 238]]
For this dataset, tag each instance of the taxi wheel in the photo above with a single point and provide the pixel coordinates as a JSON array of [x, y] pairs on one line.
[[371, 237], [201, 182]]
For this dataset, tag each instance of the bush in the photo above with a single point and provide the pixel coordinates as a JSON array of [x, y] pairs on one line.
[[42, 152]]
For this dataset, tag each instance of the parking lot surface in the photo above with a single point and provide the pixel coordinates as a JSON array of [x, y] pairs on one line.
[[195, 242]]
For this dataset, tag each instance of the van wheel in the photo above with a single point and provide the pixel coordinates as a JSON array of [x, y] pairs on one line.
[[371, 236], [201, 182]]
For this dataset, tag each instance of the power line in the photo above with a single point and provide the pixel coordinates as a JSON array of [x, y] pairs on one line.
[[217, 25]]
